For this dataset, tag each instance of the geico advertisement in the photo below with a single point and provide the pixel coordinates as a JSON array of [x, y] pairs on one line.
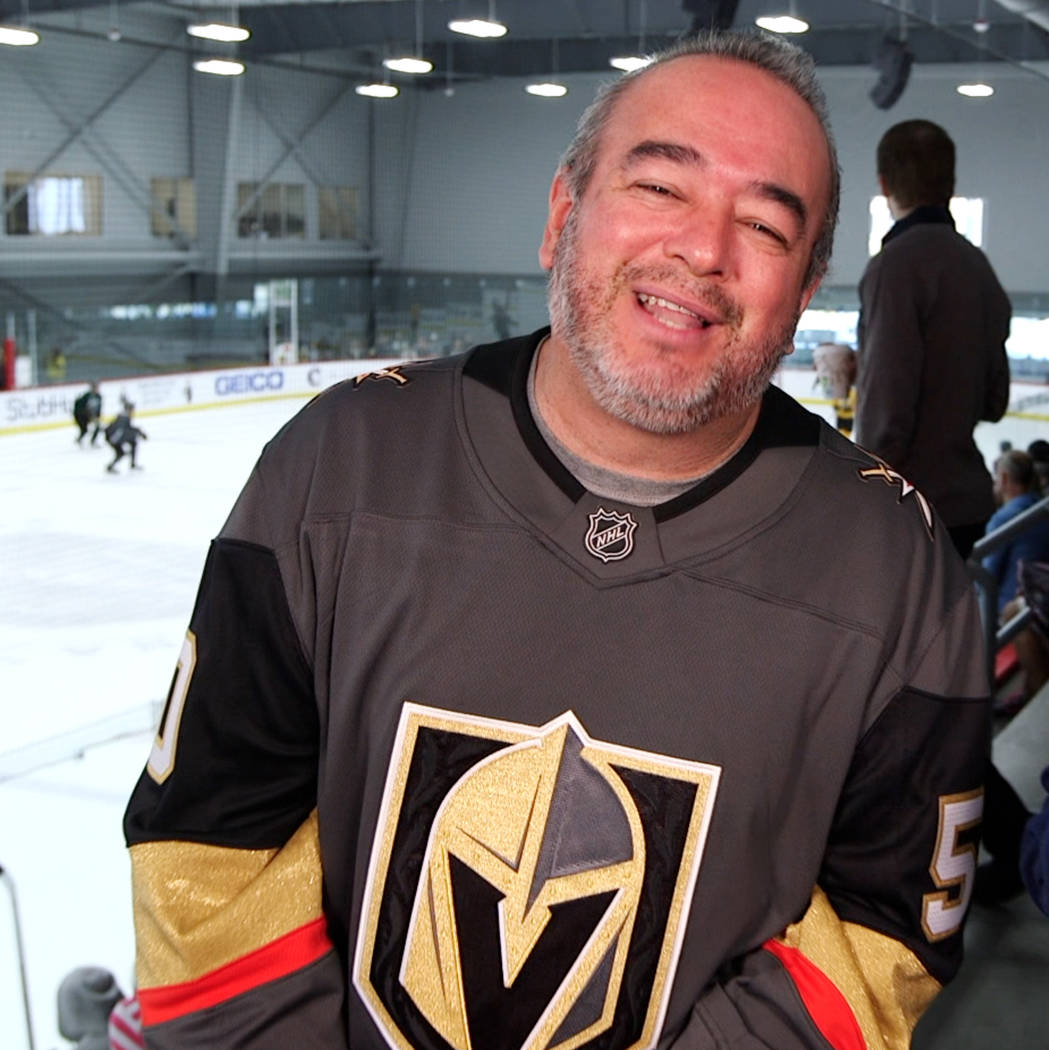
[[242, 384], [48, 407], [291, 379]]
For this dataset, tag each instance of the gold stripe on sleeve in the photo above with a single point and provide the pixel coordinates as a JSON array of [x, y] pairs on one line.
[[198, 907], [883, 981]]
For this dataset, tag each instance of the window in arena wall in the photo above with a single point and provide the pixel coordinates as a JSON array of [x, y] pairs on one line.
[[337, 213], [52, 205], [966, 211], [174, 210], [275, 209]]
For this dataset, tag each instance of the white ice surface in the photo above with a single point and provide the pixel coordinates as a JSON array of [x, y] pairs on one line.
[[98, 574]]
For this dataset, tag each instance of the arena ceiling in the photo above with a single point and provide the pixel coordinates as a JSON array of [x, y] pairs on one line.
[[580, 35]]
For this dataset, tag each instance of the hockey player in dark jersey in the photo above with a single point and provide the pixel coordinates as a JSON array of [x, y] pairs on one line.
[[534, 698], [123, 437], [87, 412]]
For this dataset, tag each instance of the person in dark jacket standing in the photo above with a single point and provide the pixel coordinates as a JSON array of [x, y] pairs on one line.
[[123, 437], [932, 330], [87, 412]]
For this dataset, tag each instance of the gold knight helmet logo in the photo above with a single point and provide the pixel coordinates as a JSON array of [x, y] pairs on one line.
[[505, 892]]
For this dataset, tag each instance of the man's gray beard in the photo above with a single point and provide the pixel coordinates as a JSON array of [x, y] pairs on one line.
[[662, 409]]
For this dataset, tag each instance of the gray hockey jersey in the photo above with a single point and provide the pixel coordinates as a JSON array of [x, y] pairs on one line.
[[460, 755]]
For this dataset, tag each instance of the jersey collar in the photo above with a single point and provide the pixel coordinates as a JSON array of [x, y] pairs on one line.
[[504, 367]]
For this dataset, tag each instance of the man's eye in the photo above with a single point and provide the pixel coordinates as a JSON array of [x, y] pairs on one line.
[[655, 187], [768, 232]]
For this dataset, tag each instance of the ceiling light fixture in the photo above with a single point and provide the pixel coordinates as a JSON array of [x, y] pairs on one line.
[[449, 85], [981, 24], [979, 90], [412, 64], [221, 31], [546, 89], [408, 65], [479, 27], [485, 28], [628, 63], [113, 33], [377, 90], [782, 23], [219, 67], [785, 22], [18, 36]]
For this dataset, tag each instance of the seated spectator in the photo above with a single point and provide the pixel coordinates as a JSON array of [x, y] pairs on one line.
[[836, 373], [1032, 643], [1016, 487], [1015, 484], [1038, 450], [1017, 842], [1034, 853], [55, 368], [1005, 815]]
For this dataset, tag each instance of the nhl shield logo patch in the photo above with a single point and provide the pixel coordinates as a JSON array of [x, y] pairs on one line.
[[610, 536]]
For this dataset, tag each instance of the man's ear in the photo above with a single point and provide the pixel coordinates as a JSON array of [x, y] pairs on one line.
[[806, 298], [807, 294], [559, 205]]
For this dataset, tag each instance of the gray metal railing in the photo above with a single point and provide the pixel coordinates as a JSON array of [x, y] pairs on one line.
[[995, 635], [6, 879]]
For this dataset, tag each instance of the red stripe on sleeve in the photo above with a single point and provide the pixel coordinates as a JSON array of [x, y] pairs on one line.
[[277, 959], [828, 1008]]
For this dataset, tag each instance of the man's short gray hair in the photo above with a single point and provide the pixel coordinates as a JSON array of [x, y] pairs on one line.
[[1018, 467], [785, 61]]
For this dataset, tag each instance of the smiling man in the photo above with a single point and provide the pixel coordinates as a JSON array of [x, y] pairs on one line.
[[581, 691], [680, 264]]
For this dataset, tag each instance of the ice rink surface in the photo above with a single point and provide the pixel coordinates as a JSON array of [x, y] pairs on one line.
[[99, 573]]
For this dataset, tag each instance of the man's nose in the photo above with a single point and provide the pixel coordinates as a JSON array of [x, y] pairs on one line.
[[702, 239]]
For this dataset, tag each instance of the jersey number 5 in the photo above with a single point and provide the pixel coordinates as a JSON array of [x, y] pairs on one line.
[[162, 756], [954, 865]]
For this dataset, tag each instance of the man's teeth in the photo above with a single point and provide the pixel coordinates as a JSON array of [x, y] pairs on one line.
[[666, 304]]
